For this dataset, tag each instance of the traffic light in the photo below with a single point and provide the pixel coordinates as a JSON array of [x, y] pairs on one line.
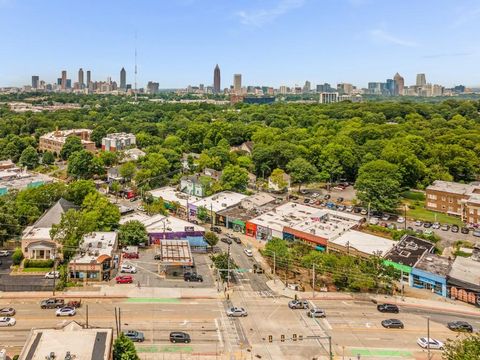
[[282, 338], [294, 337], [270, 338]]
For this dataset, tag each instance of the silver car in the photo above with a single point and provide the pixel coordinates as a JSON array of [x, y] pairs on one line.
[[316, 313], [8, 311], [237, 312], [7, 321], [66, 311]]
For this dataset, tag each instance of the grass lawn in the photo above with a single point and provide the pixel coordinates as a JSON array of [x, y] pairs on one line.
[[420, 213], [42, 270]]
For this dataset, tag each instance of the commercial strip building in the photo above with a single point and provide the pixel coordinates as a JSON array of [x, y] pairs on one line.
[[462, 200], [95, 259], [118, 141], [15, 178], [463, 280], [73, 339], [55, 140], [215, 204], [361, 244], [430, 273], [161, 227], [174, 199]]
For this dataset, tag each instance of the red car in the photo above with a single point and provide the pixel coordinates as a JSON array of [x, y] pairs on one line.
[[130, 255], [124, 279]]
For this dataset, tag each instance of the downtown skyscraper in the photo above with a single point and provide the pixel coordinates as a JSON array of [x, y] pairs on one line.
[[216, 79], [123, 79], [81, 83]]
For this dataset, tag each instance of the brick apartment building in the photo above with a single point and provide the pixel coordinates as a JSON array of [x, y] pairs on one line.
[[462, 200], [54, 141]]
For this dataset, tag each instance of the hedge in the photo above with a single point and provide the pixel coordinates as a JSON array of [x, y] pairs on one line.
[[28, 263]]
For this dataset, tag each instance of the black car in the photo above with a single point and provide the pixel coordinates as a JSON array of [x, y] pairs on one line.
[[194, 222], [389, 308], [357, 210], [326, 197], [293, 197], [460, 326], [306, 201], [465, 230], [192, 277], [226, 240], [237, 239], [339, 199], [392, 324], [216, 229], [157, 257], [179, 337], [427, 224], [455, 228]]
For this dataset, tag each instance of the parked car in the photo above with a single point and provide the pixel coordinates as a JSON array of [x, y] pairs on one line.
[[436, 225], [4, 253], [66, 311], [431, 343], [135, 336], [385, 217], [248, 252], [340, 199], [419, 231], [124, 279], [341, 207], [392, 226], [445, 227], [226, 240], [427, 224], [315, 195], [295, 287], [298, 304], [465, 230], [418, 223], [392, 324], [293, 197], [455, 228], [363, 212], [306, 201], [7, 311], [389, 308], [409, 228], [237, 312], [357, 210], [316, 313], [192, 277], [236, 239], [476, 233], [194, 222], [400, 220], [257, 269], [52, 275], [326, 197], [428, 232], [127, 268], [52, 303], [349, 208], [130, 255], [157, 257], [179, 337], [7, 321], [374, 220], [460, 326], [216, 229]]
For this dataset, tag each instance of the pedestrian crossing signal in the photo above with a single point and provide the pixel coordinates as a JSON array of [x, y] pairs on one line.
[[282, 338], [270, 338]]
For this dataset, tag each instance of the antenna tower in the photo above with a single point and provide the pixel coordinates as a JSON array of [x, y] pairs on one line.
[[135, 66]]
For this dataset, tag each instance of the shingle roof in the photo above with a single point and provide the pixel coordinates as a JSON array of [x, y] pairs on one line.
[[54, 214]]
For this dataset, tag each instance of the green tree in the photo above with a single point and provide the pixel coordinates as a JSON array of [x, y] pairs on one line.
[[202, 213], [463, 348], [133, 233], [127, 170], [29, 158], [211, 238], [17, 256], [124, 349], [234, 178], [378, 184], [72, 145], [78, 190], [222, 262], [80, 165], [301, 171], [109, 158], [278, 178], [48, 158], [98, 133], [101, 212], [116, 187], [156, 206]]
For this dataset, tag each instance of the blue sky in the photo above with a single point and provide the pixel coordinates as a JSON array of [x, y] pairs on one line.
[[271, 42]]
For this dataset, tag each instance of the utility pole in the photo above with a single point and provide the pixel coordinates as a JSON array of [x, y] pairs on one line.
[[86, 309], [228, 267], [54, 269], [313, 280], [428, 338], [368, 214], [405, 217], [401, 282], [274, 267]]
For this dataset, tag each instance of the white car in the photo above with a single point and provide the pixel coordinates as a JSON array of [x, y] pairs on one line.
[[4, 253], [7, 321], [316, 312], [248, 252], [66, 311], [400, 220], [128, 269], [434, 343], [52, 275], [237, 312], [374, 220], [315, 195]]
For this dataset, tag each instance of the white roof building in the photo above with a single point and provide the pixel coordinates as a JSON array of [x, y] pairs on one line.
[[360, 243], [220, 201], [158, 223], [96, 246], [170, 194]]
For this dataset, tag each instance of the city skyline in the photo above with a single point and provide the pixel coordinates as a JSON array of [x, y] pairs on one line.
[[300, 40]]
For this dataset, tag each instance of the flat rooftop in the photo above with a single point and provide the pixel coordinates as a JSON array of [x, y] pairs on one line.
[[23, 180], [363, 242], [175, 252], [451, 187], [409, 250], [171, 194], [155, 223], [434, 264], [220, 201], [466, 270], [95, 247], [92, 344]]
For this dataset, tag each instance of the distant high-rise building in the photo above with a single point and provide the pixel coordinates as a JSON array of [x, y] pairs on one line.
[[390, 88], [89, 77], [328, 98], [237, 83], [216, 79], [69, 83], [64, 79], [35, 80], [324, 88], [399, 84], [421, 80], [123, 79], [81, 84], [307, 87], [344, 88], [152, 87], [59, 81]]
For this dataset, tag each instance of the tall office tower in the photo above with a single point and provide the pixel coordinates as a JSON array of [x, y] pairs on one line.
[[390, 87], [307, 87], [123, 79], [399, 84], [216, 80], [81, 84], [35, 79], [237, 83], [64, 79], [421, 80], [69, 83], [89, 77]]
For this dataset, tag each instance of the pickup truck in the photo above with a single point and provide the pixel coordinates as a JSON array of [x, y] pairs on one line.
[[52, 303]]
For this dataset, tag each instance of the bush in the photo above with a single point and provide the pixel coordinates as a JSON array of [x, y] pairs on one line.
[[29, 263], [17, 256], [414, 195]]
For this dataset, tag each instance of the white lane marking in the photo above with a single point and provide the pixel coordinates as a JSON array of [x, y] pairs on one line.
[[368, 325], [326, 323], [185, 322], [219, 333]]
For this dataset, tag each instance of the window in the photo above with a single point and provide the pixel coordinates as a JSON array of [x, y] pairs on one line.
[[432, 205], [443, 198], [470, 211], [432, 196]]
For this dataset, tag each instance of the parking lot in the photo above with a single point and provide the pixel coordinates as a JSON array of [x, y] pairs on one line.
[[148, 271]]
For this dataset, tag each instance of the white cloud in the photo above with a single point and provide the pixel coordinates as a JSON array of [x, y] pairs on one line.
[[261, 17], [385, 37]]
